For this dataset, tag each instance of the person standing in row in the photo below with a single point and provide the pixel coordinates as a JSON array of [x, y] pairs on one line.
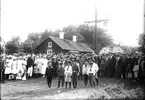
[[92, 72], [30, 64], [44, 66], [75, 72], [60, 73], [96, 68], [85, 72], [49, 73], [68, 74]]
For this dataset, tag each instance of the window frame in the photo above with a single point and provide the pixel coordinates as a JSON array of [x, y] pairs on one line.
[[49, 44], [49, 51]]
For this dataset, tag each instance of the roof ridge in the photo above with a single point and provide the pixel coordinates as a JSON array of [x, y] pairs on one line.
[[65, 39], [68, 44]]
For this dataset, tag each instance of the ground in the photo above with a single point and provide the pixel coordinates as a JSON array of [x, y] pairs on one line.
[[36, 88]]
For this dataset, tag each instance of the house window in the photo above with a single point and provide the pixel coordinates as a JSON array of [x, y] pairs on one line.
[[49, 44], [49, 51]]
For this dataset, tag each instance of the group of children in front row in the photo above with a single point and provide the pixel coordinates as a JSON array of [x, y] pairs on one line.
[[68, 73]]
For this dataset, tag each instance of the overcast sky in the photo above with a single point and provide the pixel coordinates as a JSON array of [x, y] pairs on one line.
[[20, 17]]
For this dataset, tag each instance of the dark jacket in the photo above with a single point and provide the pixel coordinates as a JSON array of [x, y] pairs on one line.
[[60, 71], [75, 68], [30, 62], [49, 71]]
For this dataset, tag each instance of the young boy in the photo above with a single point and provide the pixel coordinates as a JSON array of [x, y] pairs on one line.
[[49, 73], [75, 71], [60, 73], [68, 74]]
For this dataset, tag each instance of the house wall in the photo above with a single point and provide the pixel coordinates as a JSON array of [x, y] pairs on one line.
[[113, 50], [43, 47]]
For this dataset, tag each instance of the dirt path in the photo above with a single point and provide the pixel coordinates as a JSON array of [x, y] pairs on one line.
[[38, 89]]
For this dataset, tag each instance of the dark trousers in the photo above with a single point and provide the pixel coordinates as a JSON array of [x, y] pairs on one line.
[[74, 79], [80, 76], [97, 81], [60, 78], [69, 85], [85, 79], [92, 80], [2, 76], [49, 81]]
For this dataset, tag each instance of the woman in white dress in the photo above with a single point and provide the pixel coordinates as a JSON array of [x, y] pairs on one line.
[[14, 69], [36, 68], [44, 66], [24, 63], [14, 66], [8, 67], [20, 68]]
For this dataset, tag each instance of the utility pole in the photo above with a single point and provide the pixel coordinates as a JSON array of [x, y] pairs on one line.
[[144, 17], [96, 36]]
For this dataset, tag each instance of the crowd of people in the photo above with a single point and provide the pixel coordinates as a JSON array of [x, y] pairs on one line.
[[70, 67]]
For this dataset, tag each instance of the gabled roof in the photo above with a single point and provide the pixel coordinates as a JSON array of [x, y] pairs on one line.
[[69, 45]]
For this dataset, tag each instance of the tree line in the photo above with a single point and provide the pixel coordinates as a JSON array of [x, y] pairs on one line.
[[84, 33], [141, 43]]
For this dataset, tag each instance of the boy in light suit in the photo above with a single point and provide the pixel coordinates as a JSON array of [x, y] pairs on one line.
[[68, 74]]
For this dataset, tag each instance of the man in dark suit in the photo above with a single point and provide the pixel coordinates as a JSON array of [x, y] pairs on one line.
[[55, 66], [29, 66], [124, 69]]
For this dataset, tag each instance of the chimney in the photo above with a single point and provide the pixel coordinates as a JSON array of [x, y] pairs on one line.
[[61, 35], [74, 38]]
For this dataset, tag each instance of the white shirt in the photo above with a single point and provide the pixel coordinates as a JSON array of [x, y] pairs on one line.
[[68, 70], [85, 69], [78, 66], [93, 69]]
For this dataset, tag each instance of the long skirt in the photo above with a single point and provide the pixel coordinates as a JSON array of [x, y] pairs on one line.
[[43, 70]]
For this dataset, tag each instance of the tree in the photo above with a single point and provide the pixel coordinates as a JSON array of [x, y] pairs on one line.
[[14, 45], [27, 47], [88, 33], [70, 31], [2, 45], [45, 34], [31, 42], [141, 43], [84, 34], [1, 49]]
